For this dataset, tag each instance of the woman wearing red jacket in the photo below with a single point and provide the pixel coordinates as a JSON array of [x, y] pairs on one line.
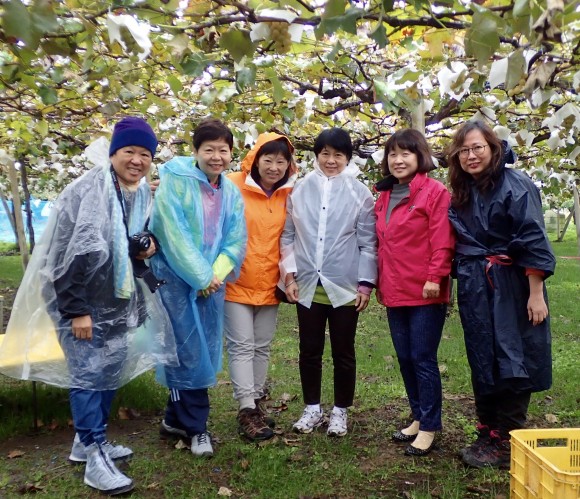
[[415, 249]]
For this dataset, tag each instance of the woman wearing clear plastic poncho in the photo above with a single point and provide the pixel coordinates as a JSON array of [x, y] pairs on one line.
[[329, 267], [79, 294], [199, 221]]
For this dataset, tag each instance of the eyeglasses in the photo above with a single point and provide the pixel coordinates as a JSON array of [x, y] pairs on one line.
[[477, 150]]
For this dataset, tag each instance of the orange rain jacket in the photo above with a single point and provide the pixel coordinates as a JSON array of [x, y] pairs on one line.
[[265, 217]]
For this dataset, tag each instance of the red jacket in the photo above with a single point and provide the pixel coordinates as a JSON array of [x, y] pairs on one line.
[[416, 245]]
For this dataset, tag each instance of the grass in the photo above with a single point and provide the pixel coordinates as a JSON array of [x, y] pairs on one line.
[[365, 464]]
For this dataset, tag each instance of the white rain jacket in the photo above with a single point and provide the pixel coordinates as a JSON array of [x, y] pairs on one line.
[[330, 236]]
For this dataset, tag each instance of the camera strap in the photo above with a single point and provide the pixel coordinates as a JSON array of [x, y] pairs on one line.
[[120, 198]]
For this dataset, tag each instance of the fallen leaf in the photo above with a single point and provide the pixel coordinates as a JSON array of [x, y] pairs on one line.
[[442, 368], [154, 485], [223, 382], [224, 491], [28, 488], [551, 418], [388, 359], [245, 464], [291, 442], [181, 445], [53, 426], [128, 413], [123, 413], [286, 397], [279, 408], [15, 453]]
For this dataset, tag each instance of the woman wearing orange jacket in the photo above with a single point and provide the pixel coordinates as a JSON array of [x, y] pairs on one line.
[[266, 179]]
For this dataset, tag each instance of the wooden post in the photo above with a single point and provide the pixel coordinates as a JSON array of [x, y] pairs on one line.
[[577, 215], [13, 176]]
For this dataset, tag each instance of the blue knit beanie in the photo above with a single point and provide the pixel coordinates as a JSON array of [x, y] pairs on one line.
[[132, 131]]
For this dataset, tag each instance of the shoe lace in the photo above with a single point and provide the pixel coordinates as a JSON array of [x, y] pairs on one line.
[[203, 438]]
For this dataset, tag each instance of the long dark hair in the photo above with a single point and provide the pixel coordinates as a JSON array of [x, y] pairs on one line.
[[459, 180], [278, 146], [410, 140]]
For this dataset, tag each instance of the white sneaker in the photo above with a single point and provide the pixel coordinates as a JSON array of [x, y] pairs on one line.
[[201, 445], [78, 453], [337, 425], [310, 419], [102, 474]]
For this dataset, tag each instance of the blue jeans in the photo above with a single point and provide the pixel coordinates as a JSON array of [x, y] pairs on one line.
[[416, 333], [95, 367], [90, 411]]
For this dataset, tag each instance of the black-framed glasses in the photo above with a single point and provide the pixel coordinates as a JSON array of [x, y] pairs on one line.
[[477, 150]]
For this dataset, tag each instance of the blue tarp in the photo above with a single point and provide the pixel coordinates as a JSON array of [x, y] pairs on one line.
[[40, 210]]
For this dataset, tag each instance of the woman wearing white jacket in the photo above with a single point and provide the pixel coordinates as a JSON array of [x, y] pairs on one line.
[[329, 268]]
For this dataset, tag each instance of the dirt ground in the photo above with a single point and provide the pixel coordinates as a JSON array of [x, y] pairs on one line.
[[31, 464]]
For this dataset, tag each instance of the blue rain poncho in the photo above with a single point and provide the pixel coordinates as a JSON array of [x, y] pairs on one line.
[[503, 346], [81, 267], [329, 235], [198, 226]]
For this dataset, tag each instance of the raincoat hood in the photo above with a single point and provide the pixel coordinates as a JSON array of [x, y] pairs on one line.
[[263, 139]]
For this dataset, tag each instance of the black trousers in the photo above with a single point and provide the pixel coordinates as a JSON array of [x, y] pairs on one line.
[[342, 322], [504, 410]]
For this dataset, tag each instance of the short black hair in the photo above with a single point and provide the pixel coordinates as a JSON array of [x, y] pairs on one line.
[[337, 138], [212, 129]]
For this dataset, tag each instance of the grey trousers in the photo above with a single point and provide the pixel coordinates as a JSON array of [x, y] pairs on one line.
[[249, 331]]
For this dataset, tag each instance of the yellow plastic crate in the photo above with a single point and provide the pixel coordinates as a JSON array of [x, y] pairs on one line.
[[545, 463]]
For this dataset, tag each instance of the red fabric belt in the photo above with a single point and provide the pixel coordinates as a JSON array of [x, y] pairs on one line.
[[495, 260]]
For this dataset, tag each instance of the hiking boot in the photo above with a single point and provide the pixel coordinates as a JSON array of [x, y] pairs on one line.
[[496, 454], [261, 406], [201, 445], [102, 475], [309, 420], [337, 424], [169, 431], [482, 440], [253, 426], [78, 453]]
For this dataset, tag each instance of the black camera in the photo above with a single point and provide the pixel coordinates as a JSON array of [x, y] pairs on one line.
[[139, 242]]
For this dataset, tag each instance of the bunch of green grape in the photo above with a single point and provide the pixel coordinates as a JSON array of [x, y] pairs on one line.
[[280, 36]]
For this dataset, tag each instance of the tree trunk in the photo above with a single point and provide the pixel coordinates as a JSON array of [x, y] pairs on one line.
[[577, 215], [13, 176], [24, 182], [9, 214], [418, 117], [565, 228]]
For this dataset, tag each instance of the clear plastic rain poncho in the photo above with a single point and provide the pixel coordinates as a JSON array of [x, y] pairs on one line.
[[85, 246], [330, 236], [200, 229]]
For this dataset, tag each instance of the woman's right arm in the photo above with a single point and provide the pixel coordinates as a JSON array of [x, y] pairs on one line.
[[287, 260]]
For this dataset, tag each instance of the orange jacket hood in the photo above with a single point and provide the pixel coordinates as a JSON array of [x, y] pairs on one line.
[[264, 138]]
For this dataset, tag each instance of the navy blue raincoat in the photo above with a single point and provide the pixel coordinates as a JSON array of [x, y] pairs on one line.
[[503, 347]]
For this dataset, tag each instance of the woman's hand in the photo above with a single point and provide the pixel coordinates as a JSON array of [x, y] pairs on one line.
[[292, 292], [431, 290], [537, 308], [149, 252], [361, 302], [214, 285], [82, 327]]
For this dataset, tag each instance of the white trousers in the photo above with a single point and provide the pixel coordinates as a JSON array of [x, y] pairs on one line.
[[249, 331]]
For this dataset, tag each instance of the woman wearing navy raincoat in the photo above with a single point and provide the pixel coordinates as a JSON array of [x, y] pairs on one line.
[[502, 258], [198, 220]]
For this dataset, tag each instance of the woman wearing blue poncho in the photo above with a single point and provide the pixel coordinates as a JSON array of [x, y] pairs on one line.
[[199, 222]]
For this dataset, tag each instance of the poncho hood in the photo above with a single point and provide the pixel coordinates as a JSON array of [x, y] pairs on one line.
[[263, 139]]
